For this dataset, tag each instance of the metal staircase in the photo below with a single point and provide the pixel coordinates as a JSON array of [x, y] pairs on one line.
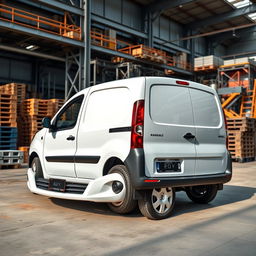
[[248, 103]]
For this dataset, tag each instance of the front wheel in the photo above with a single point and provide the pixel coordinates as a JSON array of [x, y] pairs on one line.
[[37, 168], [202, 194], [158, 203], [128, 204]]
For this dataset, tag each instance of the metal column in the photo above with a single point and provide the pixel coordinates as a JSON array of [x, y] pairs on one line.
[[77, 72], [87, 43], [73, 73]]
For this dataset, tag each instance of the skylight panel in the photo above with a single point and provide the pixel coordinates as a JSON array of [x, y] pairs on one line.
[[252, 16], [239, 3]]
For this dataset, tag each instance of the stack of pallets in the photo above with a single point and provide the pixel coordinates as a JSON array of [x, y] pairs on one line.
[[32, 113], [241, 138], [8, 110], [57, 104], [19, 90]]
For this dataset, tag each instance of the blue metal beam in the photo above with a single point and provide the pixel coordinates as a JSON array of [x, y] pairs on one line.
[[41, 6], [223, 17], [39, 33], [117, 26], [224, 36], [130, 57], [161, 5], [166, 46], [62, 6]]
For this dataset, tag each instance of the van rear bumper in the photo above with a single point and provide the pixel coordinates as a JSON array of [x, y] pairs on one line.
[[135, 163]]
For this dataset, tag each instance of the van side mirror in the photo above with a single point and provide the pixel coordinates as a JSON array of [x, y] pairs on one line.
[[46, 122]]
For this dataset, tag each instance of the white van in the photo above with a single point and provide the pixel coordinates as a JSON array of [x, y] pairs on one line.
[[133, 142]]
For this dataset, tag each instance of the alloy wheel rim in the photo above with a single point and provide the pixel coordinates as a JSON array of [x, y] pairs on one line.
[[162, 199], [34, 167]]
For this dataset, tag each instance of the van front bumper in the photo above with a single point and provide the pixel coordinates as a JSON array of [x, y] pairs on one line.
[[97, 190], [135, 163]]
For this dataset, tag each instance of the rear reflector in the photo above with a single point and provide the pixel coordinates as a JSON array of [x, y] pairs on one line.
[[182, 82], [151, 181]]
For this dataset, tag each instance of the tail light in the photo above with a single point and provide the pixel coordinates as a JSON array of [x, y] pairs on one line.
[[137, 124]]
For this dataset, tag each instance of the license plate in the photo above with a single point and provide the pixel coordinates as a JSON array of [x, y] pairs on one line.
[[57, 185], [168, 166]]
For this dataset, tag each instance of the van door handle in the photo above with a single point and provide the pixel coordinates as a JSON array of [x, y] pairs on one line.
[[70, 137], [189, 136]]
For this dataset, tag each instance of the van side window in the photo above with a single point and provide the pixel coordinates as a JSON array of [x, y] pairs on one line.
[[68, 116], [171, 105], [205, 108]]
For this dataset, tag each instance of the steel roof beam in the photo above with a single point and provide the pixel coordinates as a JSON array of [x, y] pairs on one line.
[[62, 6], [223, 17], [117, 26], [224, 36], [162, 5], [32, 53]]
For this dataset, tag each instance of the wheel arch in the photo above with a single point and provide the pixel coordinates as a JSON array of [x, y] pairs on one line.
[[31, 157], [112, 161]]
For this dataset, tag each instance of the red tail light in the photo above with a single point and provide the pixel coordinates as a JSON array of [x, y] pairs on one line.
[[137, 124]]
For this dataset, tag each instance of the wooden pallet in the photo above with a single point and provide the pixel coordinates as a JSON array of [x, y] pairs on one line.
[[241, 124], [205, 68], [11, 124], [15, 89]]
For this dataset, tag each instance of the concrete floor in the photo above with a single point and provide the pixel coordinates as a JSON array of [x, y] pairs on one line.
[[35, 225]]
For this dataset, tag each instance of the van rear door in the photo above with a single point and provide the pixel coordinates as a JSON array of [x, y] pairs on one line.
[[211, 153], [168, 130]]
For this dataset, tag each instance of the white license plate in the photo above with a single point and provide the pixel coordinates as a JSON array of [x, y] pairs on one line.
[[163, 166]]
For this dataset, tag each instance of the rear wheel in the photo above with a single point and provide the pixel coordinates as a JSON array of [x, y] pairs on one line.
[[158, 203], [128, 204], [202, 194], [37, 168]]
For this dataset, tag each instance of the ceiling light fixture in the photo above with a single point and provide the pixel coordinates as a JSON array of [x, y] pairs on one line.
[[32, 47]]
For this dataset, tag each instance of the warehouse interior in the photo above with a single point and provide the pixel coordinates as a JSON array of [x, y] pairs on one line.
[[52, 49], [57, 48]]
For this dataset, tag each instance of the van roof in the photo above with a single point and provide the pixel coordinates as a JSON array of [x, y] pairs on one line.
[[131, 82]]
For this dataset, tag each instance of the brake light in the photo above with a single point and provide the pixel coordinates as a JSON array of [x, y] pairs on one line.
[[137, 124], [182, 82]]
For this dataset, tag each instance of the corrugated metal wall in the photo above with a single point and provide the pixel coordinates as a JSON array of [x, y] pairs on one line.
[[121, 11], [15, 70], [130, 14], [200, 46], [168, 30], [243, 46]]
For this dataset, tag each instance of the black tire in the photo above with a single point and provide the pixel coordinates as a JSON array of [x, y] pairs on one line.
[[128, 204], [202, 194], [156, 211], [37, 168]]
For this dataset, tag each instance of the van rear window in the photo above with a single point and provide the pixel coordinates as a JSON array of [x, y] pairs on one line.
[[171, 105], [205, 108]]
